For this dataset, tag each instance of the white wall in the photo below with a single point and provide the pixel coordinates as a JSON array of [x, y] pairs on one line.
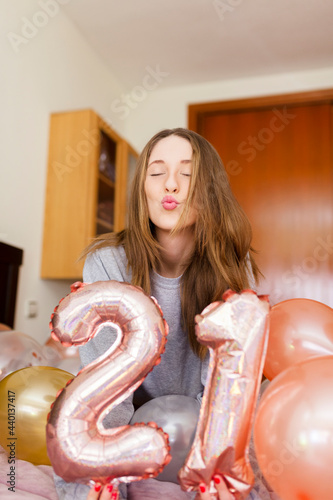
[[168, 107], [54, 71]]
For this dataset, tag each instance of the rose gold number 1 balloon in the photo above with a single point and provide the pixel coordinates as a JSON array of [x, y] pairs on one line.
[[79, 447], [236, 333]]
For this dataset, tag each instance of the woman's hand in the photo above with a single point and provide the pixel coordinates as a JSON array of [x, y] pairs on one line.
[[222, 490], [99, 492]]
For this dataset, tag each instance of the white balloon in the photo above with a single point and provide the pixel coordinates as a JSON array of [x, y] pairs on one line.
[[53, 357], [18, 350], [178, 417], [71, 365]]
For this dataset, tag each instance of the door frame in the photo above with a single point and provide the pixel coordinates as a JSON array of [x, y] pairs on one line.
[[196, 112]]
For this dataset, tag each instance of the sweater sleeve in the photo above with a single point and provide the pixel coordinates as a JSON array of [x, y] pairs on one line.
[[105, 264]]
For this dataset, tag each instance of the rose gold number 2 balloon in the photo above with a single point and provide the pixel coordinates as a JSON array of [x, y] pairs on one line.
[[79, 447], [236, 333]]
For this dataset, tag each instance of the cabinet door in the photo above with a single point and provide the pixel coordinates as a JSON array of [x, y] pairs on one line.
[[71, 192], [125, 173], [107, 179]]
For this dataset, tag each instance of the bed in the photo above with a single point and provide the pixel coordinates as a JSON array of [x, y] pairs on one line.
[[36, 482], [31, 482]]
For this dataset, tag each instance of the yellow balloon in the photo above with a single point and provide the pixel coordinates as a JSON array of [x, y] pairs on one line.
[[26, 396]]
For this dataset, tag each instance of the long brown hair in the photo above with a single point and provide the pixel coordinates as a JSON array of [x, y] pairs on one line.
[[222, 257]]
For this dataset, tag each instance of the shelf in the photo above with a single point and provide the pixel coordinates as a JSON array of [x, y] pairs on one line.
[[106, 180], [103, 224]]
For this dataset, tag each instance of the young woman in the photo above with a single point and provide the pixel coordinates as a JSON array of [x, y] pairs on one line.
[[187, 241]]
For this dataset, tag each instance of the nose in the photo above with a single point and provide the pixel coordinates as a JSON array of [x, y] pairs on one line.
[[171, 184]]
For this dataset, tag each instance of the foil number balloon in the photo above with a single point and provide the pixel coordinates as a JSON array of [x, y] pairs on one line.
[[236, 333], [79, 447]]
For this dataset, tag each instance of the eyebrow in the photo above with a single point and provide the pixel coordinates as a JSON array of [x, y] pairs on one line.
[[162, 162]]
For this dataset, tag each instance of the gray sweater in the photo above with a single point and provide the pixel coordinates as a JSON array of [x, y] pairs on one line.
[[180, 372]]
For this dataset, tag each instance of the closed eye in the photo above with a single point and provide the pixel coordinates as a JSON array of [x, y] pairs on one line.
[[155, 175]]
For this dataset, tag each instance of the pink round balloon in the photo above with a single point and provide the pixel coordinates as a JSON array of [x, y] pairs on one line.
[[299, 329], [293, 431]]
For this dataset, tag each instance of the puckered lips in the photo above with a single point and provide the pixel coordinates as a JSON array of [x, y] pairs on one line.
[[169, 203]]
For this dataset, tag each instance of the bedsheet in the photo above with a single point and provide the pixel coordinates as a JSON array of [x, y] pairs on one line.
[[28, 481], [36, 482]]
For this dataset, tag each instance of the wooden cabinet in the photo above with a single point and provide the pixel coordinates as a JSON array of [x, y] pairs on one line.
[[89, 170]]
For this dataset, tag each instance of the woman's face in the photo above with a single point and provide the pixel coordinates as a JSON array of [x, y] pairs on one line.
[[167, 182]]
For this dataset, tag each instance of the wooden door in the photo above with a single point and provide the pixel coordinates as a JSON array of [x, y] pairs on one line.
[[279, 161]]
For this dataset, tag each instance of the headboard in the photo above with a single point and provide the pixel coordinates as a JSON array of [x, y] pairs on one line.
[[10, 261]]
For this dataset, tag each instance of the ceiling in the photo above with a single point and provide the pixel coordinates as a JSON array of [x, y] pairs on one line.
[[196, 41]]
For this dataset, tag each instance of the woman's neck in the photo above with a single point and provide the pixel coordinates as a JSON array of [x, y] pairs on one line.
[[175, 252]]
